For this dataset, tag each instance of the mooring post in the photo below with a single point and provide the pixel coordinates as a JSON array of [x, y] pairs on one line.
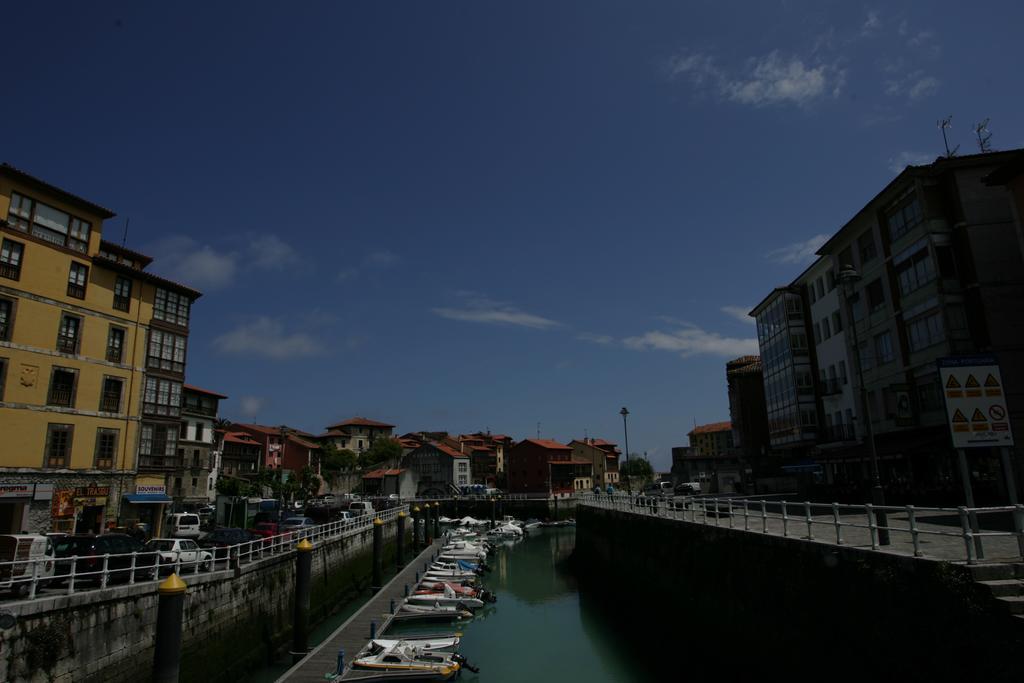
[[300, 616], [437, 520], [400, 542], [378, 553], [167, 654], [427, 535], [493, 517], [416, 529]]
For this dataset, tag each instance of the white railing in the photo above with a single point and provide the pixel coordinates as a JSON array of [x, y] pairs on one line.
[[907, 527], [90, 572]]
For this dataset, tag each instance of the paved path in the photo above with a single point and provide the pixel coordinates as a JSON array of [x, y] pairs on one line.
[[939, 532], [354, 634]]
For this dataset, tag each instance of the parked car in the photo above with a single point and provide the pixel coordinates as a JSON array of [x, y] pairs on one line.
[[360, 507], [688, 488], [328, 499], [220, 541], [29, 556], [301, 526], [183, 525], [180, 552], [266, 529], [90, 551]]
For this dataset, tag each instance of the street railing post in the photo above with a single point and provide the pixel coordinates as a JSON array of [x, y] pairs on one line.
[[378, 553], [300, 615], [872, 527], [730, 513], [167, 650], [400, 541], [810, 522], [785, 519], [746, 515], [839, 525], [914, 533], [965, 530], [1018, 526], [764, 517]]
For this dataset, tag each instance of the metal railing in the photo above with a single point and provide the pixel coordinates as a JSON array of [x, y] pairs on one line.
[[840, 524], [27, 577]]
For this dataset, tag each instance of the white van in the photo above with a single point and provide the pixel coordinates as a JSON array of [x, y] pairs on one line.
[[21, 556], [360, 507], [182, 525]]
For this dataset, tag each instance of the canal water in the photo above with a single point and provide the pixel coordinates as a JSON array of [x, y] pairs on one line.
[[538, 630]]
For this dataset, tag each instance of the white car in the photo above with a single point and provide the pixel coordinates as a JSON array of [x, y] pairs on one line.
[[183, 552]]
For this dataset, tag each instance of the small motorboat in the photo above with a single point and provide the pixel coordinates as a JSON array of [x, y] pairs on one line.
[[454, 580], [403, 657], [435, 587], [531, 524], [431, 643], [438, 612], [505, 531], [447, 596]]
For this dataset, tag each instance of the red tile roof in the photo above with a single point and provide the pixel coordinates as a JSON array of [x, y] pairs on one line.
[[381, 473], [276, 431], [196, 389], [712, 427], [240, 437], [448, 450], [303, 442], [359, 422], [547, 443]]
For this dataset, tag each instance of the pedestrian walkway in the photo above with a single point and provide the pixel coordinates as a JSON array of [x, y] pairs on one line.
[[322, 662]]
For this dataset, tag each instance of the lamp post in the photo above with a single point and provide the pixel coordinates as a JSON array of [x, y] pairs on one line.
[[625, 431], [849, 277]]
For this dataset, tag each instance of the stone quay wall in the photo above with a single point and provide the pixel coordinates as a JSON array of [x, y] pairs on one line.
[[234, 620], [739, 605]]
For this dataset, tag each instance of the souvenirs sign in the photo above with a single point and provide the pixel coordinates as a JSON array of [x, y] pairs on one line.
[[975, 402]]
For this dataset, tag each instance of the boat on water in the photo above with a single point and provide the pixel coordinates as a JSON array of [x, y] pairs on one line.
[[531, 524], [427, 587], [447, 598], [454, 580], [430, 643], [433, 612], [407, 658], [505, 531]]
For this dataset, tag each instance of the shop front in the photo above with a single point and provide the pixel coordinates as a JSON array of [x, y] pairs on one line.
[[79, 509], [146, 505], [14, 502]]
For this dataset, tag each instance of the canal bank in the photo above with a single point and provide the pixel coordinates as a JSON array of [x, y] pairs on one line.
[[719, 602]]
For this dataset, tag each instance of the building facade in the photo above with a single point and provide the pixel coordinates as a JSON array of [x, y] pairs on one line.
[[439, 469], [603, 457], [542, 466], [356, 434], [92, 358], [193, 480], [241, 455], [747, 411]]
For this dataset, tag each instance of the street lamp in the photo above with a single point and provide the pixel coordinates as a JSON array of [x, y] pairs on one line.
[[849, 277], [625, 431]]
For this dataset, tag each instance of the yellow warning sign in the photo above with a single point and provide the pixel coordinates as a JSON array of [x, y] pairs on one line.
[[953, 382], [958, 416], [976, 409], [991, 381], [971, 382], [978, 416]]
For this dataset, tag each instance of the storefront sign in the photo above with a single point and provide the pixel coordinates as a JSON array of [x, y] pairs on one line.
[[16, 490], [150, 488], [63, 504], [43, 492], [92, 491]]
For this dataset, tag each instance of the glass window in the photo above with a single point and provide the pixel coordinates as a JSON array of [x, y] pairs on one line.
[[115, 344], [904, 218], [875, 295], [162, 397], [915, 272], [811, 294], [10, 259], [865, 356], [122, 293], [166, 351], [77, 277], [826, 331], [171, 307], [925, 331], [58, 445], [110, 398], [106, 448], [158, 440], [883, 348], [6, 319], [817, 333], [821, 287], [62, 387], [48, 223], [68, 336]]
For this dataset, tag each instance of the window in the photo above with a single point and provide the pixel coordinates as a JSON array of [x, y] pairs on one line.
[[58, 445], [915, 271], [48, 223], [866, 246], [817, 333], [106, 448], [69, 335], [62, 387], [122, 293], [166, 351], [171, 307], [821, 287], [157, 442], [842, 372], [825, 331], [904, 218], [865, 356], [6, 319], [883, 348], [929, 397], [183, 432], [925, 331], [837, 322], [115, 344], [798, 342], [810, 293], [3, 376], [77, 277], [162, 397], [110, 398], [10, 259], [830, 280], [876, 295]]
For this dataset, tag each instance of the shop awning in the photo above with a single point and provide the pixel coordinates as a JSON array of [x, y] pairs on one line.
[[139, 498]]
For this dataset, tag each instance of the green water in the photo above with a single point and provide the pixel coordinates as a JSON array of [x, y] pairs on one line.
[[538, 630]]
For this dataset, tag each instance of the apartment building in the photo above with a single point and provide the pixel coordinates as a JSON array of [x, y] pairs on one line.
[[356, 434], [284, 448], [439, 468], [194, 478], [92, 358], [603, 457], [241, 455], [548, 467]]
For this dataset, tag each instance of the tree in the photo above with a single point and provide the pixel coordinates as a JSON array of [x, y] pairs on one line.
[[308, 483], [334, 461], [381, 450], [637, 466]]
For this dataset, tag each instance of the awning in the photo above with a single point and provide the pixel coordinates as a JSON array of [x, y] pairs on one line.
[[140, 498]]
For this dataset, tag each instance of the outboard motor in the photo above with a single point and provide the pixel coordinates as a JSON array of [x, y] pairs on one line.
[[464, 663], [488, 596], [462, 605]]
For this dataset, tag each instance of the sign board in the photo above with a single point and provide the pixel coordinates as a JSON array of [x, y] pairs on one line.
[[16, 490], [975, 402], [151, 488]]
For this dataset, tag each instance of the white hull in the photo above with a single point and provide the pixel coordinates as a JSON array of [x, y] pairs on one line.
[[430, 644], [435, 599]]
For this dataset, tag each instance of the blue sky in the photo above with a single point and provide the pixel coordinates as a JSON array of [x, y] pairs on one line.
[[480, 215]]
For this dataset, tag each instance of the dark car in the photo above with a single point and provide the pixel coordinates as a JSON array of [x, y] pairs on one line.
[[219, 541], [90, 551]]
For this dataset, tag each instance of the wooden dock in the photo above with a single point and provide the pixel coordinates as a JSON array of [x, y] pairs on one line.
[[354, 634]]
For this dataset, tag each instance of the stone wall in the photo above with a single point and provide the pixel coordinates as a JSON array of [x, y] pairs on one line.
[[738, 605], [234, 621]]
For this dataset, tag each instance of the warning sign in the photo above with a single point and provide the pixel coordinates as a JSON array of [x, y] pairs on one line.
[[988, 424]]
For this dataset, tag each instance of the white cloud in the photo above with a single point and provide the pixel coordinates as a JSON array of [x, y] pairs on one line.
[[798, 252], [250, 406], [382, 259], [480, 309], [206, 267], [771, 79], [914, 85], [602, 339], [268, 251], [739, 313], [267, 338], [692, 341], [871, 24], [926, 86], [904, 159]]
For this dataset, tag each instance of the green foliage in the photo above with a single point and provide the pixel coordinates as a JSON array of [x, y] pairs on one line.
[[637, 466], [334, 461], [229, 486], [380, 450]]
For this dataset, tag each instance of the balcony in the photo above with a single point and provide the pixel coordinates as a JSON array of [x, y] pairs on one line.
[[114, 354], [158, 462], [194, 409], [110, 403], [60, 395], [831, 386], [76, 291], [122, 303], [67, 344], [9, 271], [836, 433]]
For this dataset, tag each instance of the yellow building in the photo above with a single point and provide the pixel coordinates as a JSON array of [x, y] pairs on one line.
[[92, 358]]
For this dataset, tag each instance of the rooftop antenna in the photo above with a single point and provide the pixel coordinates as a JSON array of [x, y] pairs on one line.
[[124, 239], [944, 124], [538, 430], [981, 130]]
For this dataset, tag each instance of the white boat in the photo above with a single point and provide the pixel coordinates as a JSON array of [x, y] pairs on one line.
[[446, 597], [448, 578], [470, 521], [531, 524], [408, 658], [506, 531], [433, 611], [434, 643]]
